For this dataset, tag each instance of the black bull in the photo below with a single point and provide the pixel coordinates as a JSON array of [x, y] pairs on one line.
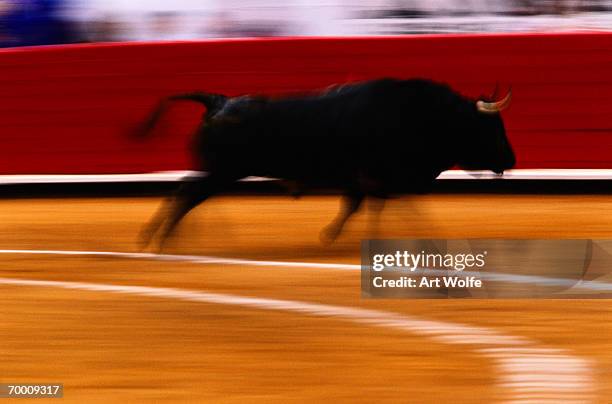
[[375, 138]]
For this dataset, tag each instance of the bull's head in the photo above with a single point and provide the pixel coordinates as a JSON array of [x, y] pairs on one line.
[[490, 148]]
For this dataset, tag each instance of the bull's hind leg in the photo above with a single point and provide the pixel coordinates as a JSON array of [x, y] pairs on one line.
[[150, 229], [190, 194], [350, 204]]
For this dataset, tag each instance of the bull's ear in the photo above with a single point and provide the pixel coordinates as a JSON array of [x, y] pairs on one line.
[[495, 106], [213, 102]]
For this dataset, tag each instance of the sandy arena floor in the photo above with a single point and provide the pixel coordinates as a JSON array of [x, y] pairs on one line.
[[305, 334]]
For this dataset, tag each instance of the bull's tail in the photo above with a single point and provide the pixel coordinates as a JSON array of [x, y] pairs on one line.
[[212, 102]]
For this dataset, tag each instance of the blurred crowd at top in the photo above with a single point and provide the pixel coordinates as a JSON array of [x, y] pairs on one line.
[[43, 22]]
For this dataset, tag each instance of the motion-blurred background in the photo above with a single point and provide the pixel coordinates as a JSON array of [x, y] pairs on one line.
[[66, 113], [40, 22]]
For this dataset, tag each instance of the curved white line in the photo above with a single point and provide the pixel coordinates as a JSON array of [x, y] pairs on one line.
[[527, 372]]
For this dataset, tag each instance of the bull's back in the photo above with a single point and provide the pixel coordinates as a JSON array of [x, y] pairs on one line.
[[387, 129]]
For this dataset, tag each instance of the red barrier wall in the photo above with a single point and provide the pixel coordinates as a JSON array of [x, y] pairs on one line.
[[67, 109]]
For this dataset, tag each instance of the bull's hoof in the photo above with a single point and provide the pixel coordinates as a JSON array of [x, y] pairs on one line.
[[329, 234], [148, 244], [153, 248], [144, 241], [147, 248], [143, 245]]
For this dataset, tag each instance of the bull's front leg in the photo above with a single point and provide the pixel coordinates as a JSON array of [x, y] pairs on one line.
[[350, 204]]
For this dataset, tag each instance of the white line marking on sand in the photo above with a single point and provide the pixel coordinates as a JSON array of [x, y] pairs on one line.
[[576, 284], [196, 259]]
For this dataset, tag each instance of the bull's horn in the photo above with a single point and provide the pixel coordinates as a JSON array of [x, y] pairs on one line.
[[495, 106]]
